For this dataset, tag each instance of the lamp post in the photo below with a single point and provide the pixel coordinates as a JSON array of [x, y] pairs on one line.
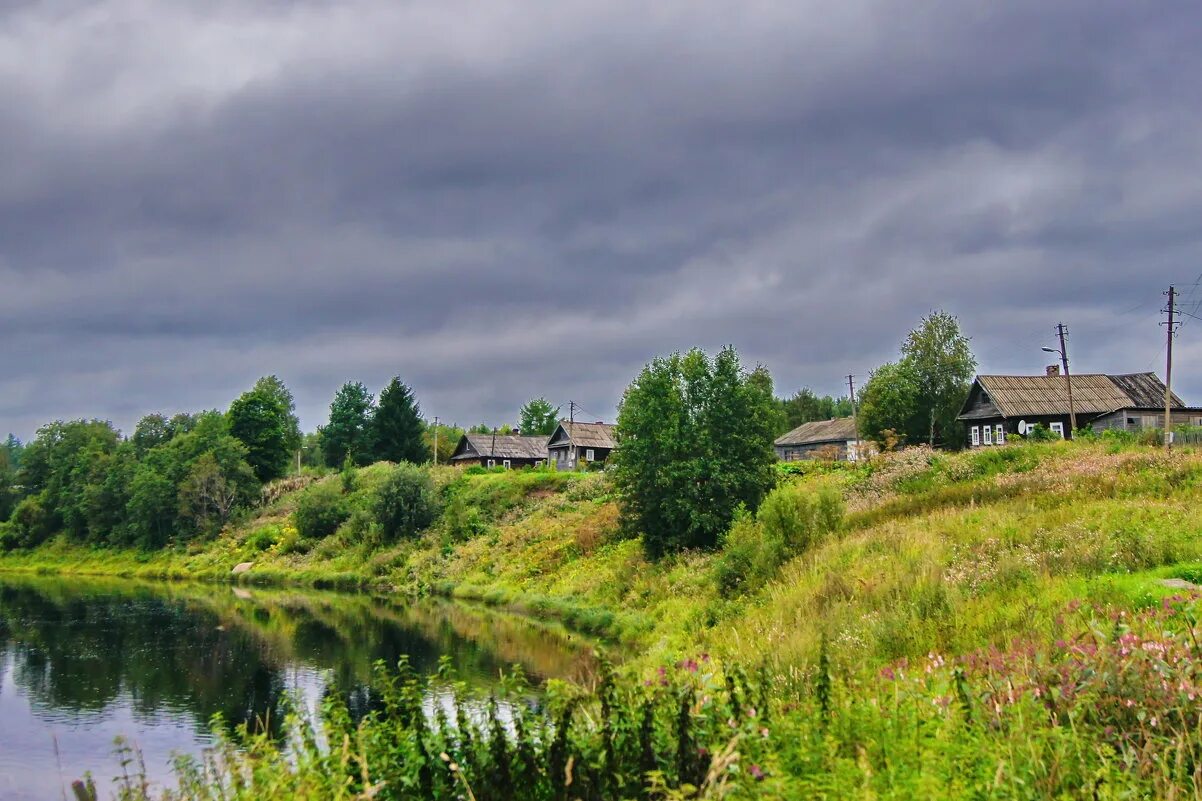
[[1068, 382]]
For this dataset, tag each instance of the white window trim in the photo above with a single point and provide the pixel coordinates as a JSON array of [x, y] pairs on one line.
[[492, 462], [999, 434], [505, 464], [1057, 428], [976, 436], [988, 432], [589, 455]]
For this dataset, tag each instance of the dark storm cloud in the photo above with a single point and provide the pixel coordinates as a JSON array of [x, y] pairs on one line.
[[497, 201]]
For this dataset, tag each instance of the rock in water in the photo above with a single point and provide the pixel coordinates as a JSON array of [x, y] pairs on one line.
[[239, 569]]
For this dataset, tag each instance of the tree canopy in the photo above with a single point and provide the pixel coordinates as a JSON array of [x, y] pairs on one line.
[[349, 430], [397, 426], [919, 396], [806, 406], [538, 416], [261, 420], [696, 444]]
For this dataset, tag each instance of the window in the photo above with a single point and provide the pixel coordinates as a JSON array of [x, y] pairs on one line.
[[505, 464], [492, 462], [976, 436], [589, 455], [988, 435], [1057, 429], [999, 434]]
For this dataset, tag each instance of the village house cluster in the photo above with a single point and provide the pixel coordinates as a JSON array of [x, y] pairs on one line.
[[998, 407], [571, 445]]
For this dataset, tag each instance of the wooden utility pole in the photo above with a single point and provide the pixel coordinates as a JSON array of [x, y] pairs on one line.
[[436, 440], [1062, 330], [851, 393], [1168, 371]]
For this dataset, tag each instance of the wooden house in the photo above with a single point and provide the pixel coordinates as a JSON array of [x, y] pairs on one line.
[[832, 439], [999, 406], [500, 450], [574, 444]]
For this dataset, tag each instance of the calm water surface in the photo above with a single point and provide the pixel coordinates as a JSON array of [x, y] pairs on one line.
[[83, 662]]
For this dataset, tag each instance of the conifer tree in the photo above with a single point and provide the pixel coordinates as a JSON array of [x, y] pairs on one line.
[[397, 426]]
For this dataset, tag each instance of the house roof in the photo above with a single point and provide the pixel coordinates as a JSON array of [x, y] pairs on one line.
[[839, 429], [589, 435], [508, 446], [1036, 395]]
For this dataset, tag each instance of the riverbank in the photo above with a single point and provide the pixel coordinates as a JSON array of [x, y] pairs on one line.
[[936, 551]]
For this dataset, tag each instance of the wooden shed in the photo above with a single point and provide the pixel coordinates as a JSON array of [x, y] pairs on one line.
[[836, 437]]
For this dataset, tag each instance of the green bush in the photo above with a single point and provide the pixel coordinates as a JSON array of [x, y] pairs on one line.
[[790, 521], [406, 502], [31, 523], [320, 510]]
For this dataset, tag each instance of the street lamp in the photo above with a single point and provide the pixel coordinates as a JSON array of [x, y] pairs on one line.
[[1068, 382]]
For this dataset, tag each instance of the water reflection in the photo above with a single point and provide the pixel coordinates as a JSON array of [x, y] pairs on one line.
[[84, 661]]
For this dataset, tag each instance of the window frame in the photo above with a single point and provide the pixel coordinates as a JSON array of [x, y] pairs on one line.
[[987, 435], [976, 436], [1057, 428], [999, 434], [492, 463], [590, 455], [506, 464]]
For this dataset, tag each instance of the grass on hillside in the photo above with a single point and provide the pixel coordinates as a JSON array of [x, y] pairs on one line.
[[936, 552]]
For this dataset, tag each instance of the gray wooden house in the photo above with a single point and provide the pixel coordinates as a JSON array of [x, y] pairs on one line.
[[999, 406], [835, 438], [572, 443], [500, 450]]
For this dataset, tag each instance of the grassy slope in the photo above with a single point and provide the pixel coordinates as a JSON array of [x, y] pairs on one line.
[[940, 552]]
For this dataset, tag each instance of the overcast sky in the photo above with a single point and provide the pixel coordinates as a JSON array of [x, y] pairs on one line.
[[496, 201]]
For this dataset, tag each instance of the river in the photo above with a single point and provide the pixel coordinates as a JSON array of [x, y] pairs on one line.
[[85, 661]]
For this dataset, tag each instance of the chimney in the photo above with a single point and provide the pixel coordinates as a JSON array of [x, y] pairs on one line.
[[1053, 369]]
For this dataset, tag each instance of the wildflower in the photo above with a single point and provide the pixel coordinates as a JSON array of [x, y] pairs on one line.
[[756, 772], [888, 674]]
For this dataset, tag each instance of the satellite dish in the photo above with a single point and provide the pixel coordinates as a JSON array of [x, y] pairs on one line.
[[1022, 426]]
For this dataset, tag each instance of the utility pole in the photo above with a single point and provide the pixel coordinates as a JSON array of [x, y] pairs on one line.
[[1170, 330], [436, 440], [1062, 330], [571, 434], [851, 393]]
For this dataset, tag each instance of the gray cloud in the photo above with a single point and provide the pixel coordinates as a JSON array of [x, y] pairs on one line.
[[496, 202]]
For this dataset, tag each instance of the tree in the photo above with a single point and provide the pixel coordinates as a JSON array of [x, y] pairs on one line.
[[397, 426], [696, 444], [806, 406], [538, 417], [889, 403], [151, 430], [940, 360], [207, 497], [447, 439], [260, 419], [272, 386], [348, 432]]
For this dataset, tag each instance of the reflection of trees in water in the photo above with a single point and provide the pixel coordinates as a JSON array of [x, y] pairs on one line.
[[80, 645], [82, 651]]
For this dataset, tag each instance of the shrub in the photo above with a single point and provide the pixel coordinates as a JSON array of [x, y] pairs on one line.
[[406, 502], [790, 521], [320, 510], [263, 538], [31, 524]]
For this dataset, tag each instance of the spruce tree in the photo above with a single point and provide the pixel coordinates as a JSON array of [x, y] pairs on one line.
[[349, 431], [397, 426]]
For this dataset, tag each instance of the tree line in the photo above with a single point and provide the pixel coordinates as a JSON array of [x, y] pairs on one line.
[[696, 446]]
